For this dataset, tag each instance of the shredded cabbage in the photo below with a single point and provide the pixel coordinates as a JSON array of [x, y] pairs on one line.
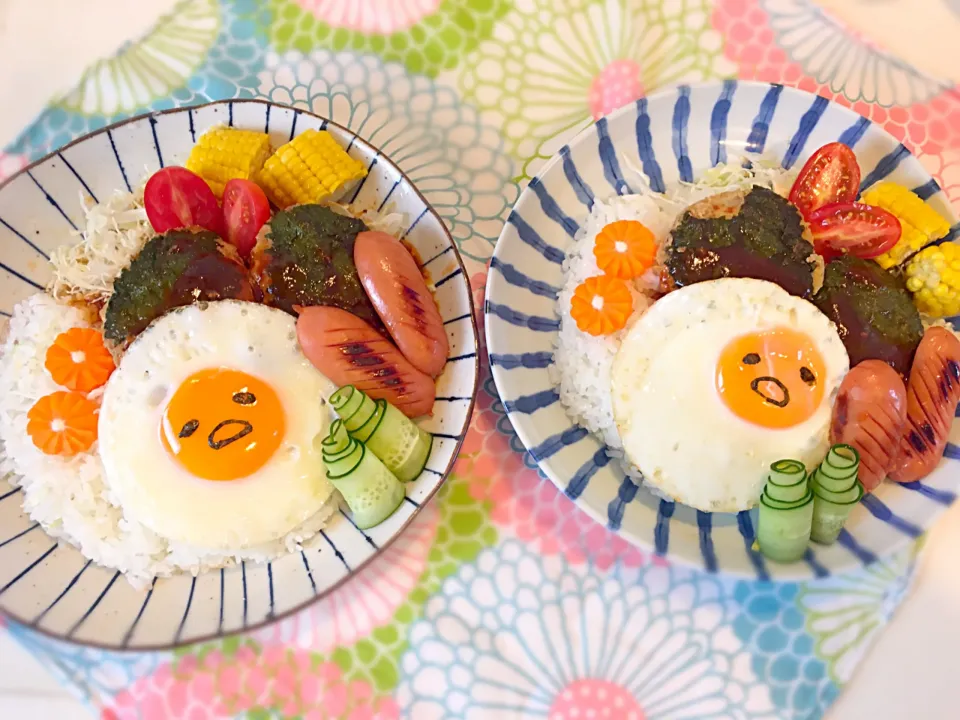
[[740, 173], [390, 223], [115, 231]]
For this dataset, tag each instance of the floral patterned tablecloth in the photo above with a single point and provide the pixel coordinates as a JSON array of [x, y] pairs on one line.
[[503, 600]]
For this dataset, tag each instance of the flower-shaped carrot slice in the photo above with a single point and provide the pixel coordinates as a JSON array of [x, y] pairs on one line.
[[78, 360], [601, 305], [63, 423], [625, 249]]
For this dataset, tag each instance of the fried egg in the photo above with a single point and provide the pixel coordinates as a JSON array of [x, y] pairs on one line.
[[720, 379], [209, 428]]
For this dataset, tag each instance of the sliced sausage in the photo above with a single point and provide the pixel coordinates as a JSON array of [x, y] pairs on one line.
[[869, 414], [932, 396], [399, 293], [350, 352]]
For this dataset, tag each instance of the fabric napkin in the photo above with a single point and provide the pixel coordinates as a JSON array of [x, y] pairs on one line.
[[503, 600]]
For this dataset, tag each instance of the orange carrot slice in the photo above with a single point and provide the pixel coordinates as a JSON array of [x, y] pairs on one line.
[[601, 305], [63, 423], [78, 360], [625, 249]]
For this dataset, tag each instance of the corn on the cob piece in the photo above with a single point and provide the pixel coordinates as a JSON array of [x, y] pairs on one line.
[[308, 169], [225, 153], [920, 224], [933, 276]]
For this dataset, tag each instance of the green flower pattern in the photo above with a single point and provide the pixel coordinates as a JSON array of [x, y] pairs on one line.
[[464, 530], [844, 613], [434, 44], [554, 66]]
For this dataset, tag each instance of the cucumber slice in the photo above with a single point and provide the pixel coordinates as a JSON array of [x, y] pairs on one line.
[[836, 474], [787, 494], [829, 516], [841, 497], [346, 401], [389, 434], [367, 408], [370, 490], [843, 457], [347, 463], [335, 457], [784, 533], [787, 473], [337, 439], [364, 432], [787, 481], [403, 447], [831, 484], [782, 504]]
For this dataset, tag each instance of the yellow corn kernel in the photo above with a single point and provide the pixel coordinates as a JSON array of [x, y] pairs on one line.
[[920, 224], [224, 153], [933, 280], [308, 169]]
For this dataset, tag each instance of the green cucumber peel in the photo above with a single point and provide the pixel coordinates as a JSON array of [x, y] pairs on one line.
[[833, 485], [843, 457], [346, 401], [774, 504], [337, 439], [394, 438], [850, 496], [787, 473], [348, 463], [366, 431]]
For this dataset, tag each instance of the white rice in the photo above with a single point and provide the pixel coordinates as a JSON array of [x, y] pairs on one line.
[[582, 362], [68, 495]]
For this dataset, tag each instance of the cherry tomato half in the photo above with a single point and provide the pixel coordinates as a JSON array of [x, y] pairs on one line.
[[853, 229], [830, 176], [177, 198], [245, 210]]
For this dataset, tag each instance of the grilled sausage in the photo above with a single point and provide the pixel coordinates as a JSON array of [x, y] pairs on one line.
[[399, 293], [869, 414], [932, 396], [350, 352]]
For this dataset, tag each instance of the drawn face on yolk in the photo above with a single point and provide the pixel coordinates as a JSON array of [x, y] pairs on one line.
[[771, 378], [222, 424]]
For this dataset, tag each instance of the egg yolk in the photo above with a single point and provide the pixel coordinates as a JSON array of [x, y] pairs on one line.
[[222, 424], [772, 378]]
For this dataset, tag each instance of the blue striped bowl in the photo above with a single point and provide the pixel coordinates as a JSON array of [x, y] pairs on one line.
[[675, 135], [49, 585]]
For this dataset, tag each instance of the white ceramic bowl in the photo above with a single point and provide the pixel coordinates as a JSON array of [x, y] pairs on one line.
[[49, 585], [676, 135]]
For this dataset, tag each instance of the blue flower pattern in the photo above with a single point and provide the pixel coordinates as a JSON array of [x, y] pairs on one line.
[[94, 674], [230, 70], [516, 633]]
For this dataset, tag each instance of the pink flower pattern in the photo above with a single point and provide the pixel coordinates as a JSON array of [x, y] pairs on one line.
[[288, 683], [369, 600], [930, 129], [10, 164], [380, 17]]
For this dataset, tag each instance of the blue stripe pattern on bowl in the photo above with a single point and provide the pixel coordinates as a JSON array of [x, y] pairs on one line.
[[48, 584], [672, 136]]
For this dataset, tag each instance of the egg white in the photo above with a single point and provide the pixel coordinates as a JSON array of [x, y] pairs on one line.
[[153, 488], [674, 425]]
